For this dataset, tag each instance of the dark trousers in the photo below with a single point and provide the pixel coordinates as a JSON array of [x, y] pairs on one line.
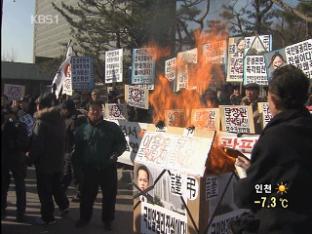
[[19, 174], [49, 186], [92, 179]]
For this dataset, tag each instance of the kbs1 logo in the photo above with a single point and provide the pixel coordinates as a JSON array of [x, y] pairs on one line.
[[44, 19]]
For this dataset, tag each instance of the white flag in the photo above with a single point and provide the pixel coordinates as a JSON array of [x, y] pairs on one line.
[[61, 73]]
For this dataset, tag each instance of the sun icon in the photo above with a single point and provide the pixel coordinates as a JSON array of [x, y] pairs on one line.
[[281, 188]]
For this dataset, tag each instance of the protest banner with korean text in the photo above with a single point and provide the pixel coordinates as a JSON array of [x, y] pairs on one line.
[[274, 60], [300, 55], [237, 119], [236, 46], [136, 97], [263, 108], [14, 92], [143, 67], [206, 118], [82, 73], [171, 69], [215, 52], [254, 65], [113, 66], [185, 59]]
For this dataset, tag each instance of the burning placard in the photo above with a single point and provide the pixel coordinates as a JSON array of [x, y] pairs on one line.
[[170, 69], [263, 108], [237, 119], [137, 97], [143, 67], [113, 66], [206, 118], [215, 52], [254, 66], [175, 118]]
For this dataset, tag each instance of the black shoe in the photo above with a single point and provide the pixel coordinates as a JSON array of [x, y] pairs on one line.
[[81, 223], [20, 218], [108, 226]]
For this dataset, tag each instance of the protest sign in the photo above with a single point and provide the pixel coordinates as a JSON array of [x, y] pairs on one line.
[[143, 67], [236, 46], [273, 60], [82, 73], [170, 69], [146, 86], [175, 118], [243, 143], [254, 65], [206, 118], [14, 92], [114, 111], [237, 119], [113, 66], [184, 61], [300, 55], [134, 133], [136, 97], [169, 199], [263, 108], [215, 52]]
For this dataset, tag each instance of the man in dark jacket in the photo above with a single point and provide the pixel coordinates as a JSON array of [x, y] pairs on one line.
[[15, 141], [98, 143], [47, 153], [279, 174]]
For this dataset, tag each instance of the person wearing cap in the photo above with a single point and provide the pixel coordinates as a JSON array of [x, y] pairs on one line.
[[281, 161], [252, 98]]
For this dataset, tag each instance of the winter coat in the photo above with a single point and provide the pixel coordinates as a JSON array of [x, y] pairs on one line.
[[48, 141], [94, 145], [282, 155], [14, 141]]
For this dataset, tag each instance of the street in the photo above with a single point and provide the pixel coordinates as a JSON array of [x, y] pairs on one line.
[[122, 223]]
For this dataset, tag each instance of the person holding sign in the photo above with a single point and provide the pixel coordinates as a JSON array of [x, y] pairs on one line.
[[279, 173], [98, 143]]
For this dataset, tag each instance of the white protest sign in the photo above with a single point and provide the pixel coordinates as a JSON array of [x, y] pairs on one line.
[[14, 92], [300, 55], [238, 119], [236, 46], [170, 69], [136, 97], [215, 52], [173, 152], [113, 66], [263, 108], [82, 73], [175, 118], [254, 65], [206, 118], [143, 67]]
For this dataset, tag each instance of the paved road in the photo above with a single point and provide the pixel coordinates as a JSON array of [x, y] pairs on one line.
[[121, 225]]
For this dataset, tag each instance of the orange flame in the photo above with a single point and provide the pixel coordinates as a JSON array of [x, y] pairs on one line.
[[200, 78]]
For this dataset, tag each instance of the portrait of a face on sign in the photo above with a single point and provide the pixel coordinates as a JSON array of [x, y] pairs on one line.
[[143, 183]]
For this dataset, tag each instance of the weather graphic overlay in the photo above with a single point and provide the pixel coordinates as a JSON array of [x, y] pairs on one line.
[[270, 200]]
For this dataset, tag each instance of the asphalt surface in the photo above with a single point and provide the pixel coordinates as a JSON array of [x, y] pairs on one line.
[[121, 225]]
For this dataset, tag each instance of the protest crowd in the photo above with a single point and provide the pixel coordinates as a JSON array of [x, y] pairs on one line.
[[69, 140]]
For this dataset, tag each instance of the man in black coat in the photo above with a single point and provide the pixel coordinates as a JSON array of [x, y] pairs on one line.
[[281, 159], [15, 141], [47, 153], [98, 143]]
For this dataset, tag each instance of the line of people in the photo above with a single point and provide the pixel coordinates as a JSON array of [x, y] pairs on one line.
[[62, 144]]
